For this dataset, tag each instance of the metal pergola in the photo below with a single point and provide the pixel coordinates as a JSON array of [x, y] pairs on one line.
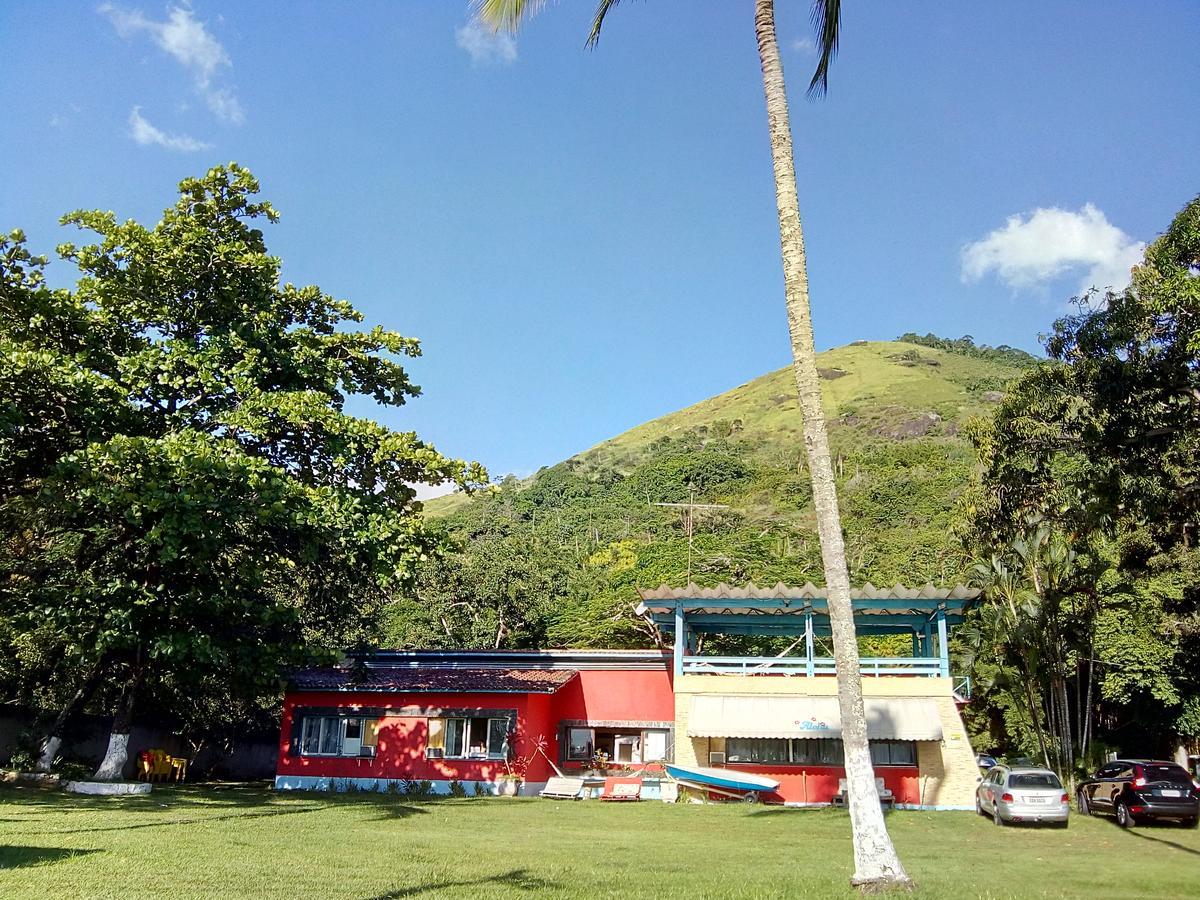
[[927, 613]]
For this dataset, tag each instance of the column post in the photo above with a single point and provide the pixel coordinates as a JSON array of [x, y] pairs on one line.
[[808, 643], [680, 639], [943, 646]]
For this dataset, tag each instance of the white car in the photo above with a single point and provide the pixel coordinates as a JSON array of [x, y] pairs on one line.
[[1024, 794]]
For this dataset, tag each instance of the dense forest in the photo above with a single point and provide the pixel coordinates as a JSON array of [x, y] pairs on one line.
[[555, 560]]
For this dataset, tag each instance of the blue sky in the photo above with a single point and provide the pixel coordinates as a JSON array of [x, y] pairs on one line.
[[584, 240]]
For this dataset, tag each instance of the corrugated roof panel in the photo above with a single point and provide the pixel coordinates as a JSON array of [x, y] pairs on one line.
[[807, 591]]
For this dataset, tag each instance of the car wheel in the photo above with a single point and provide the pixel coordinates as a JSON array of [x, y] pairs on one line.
[[1124, 817], [1081, 800], [996, 816], [978, 806], [1187, 823], [1064, 824]]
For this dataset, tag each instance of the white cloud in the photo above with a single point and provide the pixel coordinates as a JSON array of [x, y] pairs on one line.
[[804, 45], [484, 46], [225, 106], [1033, 249], [145, 133], [429, 491], [189, 42]]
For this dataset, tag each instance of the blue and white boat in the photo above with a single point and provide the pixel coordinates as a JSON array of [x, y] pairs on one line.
[[722, 781]]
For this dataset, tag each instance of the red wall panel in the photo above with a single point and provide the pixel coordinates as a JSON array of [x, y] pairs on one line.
[[819, 784]]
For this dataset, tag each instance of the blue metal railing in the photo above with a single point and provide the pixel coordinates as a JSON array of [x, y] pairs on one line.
[[872, 666]]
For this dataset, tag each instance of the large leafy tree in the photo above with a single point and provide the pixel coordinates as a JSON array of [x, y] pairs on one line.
[[1101, 444], [197, 501], [876, 863]]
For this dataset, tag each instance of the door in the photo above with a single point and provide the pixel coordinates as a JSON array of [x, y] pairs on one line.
[[1100, 790], [992, 788]]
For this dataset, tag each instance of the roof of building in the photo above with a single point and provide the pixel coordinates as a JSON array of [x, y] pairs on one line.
[[573, 660], [806, 592], [432, 680], [788, 610]]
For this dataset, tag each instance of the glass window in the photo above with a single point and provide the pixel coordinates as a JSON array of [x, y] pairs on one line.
[[310, 734], [757, 750], [461, 738], [893, 753], [354, 729], [1175, 774], [497, 745], [579, 743], [330, 736], [817, 752], [1035, 780], [321, 735], [456, 737]]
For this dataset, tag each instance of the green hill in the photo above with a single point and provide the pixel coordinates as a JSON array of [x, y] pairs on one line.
[[584, 534]]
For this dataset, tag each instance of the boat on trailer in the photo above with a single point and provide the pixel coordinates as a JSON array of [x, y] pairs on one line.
[[725, 782]]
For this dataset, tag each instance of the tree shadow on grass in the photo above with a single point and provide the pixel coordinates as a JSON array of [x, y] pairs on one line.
[[170, 823], [1139, 833], [386, 811], [208, 796], [521, 879], [14, 856], [200, 797]]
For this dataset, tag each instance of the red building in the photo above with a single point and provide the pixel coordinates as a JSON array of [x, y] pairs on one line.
[[473, 717], [467, 716]]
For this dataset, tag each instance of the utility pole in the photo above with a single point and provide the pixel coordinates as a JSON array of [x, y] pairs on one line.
[[691, 507]]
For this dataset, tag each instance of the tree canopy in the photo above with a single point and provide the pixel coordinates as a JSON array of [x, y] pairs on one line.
[[183, 489], [1096, 451]]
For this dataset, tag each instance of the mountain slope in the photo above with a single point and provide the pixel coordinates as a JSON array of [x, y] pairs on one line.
[[555, 560], [874, 387]]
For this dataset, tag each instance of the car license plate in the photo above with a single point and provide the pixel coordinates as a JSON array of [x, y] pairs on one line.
[[1038, 799], [1170, 793]]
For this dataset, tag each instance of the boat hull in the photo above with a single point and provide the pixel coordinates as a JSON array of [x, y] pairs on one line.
[[723, 778]]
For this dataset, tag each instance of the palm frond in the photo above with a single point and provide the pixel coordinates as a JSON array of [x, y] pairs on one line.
[[505, 15], [826, 20], [602, 10]]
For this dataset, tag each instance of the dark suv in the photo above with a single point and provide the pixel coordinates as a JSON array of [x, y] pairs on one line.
[[1138, 789]]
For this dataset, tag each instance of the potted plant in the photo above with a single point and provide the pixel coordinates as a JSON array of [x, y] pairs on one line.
[[509, 784], [517, 767], [598, 765]]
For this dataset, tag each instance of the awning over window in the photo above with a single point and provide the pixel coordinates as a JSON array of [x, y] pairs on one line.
[[899, 719]]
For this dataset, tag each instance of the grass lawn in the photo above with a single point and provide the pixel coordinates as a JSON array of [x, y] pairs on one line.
[[249, 842]]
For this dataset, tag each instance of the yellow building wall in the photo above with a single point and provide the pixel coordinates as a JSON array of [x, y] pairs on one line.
[[947, 768]]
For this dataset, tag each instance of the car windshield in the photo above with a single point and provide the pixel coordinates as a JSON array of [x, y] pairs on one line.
[[1165, 773], [1035, 780]]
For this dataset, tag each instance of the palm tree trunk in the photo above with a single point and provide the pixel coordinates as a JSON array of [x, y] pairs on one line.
[[875, 861]]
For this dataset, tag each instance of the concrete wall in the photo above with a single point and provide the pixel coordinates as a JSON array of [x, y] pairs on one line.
[[87, 740]]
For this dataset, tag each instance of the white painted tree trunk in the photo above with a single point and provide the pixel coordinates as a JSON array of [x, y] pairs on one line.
[[53, 740], [112, 768], [115, 757], [876, 864], [50, 748]]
